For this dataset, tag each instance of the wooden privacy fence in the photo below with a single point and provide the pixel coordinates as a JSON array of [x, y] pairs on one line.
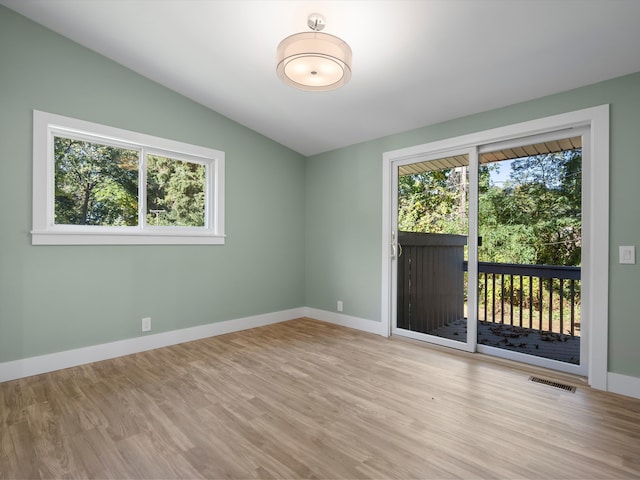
[[431, 285]]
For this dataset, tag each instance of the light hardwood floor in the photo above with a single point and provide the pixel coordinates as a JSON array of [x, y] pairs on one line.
[[305, 399]]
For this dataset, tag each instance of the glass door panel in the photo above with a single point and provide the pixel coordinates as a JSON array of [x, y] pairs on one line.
[[529, 258], [432, 257]]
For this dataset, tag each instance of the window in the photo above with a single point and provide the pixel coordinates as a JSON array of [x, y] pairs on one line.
[[94, 184]]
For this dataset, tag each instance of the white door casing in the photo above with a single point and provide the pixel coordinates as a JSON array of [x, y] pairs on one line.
[[593, 124]]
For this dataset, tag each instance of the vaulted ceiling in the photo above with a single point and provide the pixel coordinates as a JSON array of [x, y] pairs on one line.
[[415, 63]]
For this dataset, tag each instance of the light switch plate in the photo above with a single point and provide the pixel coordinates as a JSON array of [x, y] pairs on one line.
[[628, 254]]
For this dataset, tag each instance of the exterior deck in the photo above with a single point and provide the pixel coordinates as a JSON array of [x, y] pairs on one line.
[[555, 346], [531, 309]]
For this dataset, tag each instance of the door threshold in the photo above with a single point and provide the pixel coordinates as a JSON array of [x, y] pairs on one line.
[[575, 379]]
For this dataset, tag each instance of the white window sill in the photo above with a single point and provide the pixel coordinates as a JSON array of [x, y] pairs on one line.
[[131, 238]]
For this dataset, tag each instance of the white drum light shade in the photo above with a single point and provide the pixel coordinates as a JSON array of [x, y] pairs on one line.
[[314, 61]]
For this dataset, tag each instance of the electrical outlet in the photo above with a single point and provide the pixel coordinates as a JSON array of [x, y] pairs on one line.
[[627, 254], [339, 305], [146, 324]]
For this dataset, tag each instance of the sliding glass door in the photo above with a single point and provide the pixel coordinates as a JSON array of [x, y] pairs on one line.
[[433, 286], [487, 249]]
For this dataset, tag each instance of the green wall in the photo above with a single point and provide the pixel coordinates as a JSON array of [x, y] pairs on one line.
[[55, 298], [344, 209], [325, 210]]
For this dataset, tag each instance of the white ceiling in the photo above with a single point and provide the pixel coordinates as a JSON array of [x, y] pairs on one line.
[[415, 63]]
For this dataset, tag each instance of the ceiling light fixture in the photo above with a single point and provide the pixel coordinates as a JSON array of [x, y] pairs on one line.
[[312, 60]]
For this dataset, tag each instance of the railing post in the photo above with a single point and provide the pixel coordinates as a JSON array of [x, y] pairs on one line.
[[520, 322], [502, 298], [511, 299], [540, 298], [561, 304], [493, 298], [530, 301], [485, 296], [573, 307]]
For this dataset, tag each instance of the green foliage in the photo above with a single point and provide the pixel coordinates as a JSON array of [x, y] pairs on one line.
[[95, 184], [433, 202], [175, 192], [535, 218]]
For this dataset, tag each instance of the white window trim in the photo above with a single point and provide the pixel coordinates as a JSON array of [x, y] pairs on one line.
[[46, 232]]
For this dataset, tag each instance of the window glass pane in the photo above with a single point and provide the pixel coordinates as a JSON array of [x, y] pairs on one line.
[[95, 184], [175, 192]]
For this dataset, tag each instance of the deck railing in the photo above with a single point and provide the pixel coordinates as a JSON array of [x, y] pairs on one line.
[[539, 297]]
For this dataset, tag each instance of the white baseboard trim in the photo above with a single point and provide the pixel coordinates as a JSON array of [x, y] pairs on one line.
[[623, 384], [70, 358], [345, 320]]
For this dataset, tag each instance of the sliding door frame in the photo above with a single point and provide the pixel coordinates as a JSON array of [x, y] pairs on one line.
[[595, 234], [471, 339]]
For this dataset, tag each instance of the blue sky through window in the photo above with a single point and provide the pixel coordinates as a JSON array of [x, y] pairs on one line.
[[499, 178]]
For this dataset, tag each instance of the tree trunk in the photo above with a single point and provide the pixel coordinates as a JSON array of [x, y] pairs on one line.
[[85, 205]]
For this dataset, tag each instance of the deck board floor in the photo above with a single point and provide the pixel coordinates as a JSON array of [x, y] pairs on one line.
[[561, 347]]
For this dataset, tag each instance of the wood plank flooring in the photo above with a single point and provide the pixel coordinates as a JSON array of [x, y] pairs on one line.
[[305, 399]]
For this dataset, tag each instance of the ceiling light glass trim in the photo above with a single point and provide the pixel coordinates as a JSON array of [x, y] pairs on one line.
[[314, 61]]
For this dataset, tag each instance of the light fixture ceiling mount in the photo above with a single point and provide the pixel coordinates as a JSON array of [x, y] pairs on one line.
[[313, 60]]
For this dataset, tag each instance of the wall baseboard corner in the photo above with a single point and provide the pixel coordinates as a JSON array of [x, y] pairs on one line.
[[357, 323]]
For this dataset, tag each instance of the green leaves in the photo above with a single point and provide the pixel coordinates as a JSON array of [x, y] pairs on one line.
[[433, 202], [175, 192], [535, 217], [95, 184]]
